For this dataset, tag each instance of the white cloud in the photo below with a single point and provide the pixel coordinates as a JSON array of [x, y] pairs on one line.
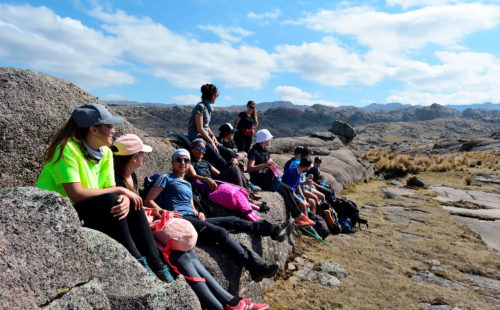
[[188, 99], [329, 63], [298, 96], [443, 25], [228, 98], [44, 41], [184, 62], [231, 34], [267, 15], [411, 3]]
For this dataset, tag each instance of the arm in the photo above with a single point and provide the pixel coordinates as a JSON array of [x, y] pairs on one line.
[[214, 172], [199, 127], [150, 203], [251, 167], [191, 174], [256, 123], [237, 121], [214, 139], [200, 215]]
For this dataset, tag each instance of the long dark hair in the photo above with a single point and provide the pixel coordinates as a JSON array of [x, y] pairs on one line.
[[120, 163], [65, 133], [254, 112]]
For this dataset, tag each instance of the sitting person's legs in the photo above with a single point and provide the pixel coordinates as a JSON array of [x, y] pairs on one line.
[[214, 157], [233, 175]]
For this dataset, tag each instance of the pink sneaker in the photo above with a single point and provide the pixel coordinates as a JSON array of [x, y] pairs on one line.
[[246, 304]]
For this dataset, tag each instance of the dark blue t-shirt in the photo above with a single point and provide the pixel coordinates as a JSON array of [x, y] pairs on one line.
[[291, 177], [176, 194]]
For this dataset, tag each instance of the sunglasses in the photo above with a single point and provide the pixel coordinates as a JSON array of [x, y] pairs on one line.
[[251, 107], [182, 160], [199, 148]]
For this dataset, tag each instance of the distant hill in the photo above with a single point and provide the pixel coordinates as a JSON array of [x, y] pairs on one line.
[[374, 107], [270, 105], [150, 104], [478, 106]]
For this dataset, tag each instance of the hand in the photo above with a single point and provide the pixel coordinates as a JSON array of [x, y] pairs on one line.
[[211, 183], [134, 198], [175, 214], [157, 212], [234, 161], [216, 143], [122, 208], [201, 216], [270, 162]]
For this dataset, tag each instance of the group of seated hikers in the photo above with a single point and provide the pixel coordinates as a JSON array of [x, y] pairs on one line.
[[98, 176]]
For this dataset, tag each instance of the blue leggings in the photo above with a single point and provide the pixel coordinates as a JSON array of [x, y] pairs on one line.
[[210, 293]]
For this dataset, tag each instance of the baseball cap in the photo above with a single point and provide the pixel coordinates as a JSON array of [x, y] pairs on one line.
[[227, 127], [130, 144], [94, 114]]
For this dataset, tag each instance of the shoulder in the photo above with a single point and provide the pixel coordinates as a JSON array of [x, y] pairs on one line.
[[200, 107], [242, 115], [162, 180]]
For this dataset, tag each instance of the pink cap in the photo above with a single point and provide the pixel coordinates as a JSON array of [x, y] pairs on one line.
[[130, 144]]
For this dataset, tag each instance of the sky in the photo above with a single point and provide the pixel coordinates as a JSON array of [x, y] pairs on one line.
[[335, 53]]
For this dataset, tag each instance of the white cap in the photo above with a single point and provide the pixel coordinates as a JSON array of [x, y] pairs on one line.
[[263, 136]]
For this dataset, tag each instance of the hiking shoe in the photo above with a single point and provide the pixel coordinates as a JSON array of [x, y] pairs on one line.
[[267, 271], [164, 275], [246, 304], [327, 214], [303, 221], [144, 263], [280, 233]]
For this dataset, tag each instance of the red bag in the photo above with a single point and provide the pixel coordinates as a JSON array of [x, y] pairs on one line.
[[248, 132]]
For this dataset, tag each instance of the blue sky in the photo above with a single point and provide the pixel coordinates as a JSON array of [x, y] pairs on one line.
[[307, 52]]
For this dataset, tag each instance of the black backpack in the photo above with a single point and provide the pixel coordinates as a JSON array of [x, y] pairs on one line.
[[319, 225], [347, 209], [148, 184]]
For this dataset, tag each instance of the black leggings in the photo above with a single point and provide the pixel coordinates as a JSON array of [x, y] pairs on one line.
[[242, 141], [285, 191], [212, 296], [214, 158], [132, 232], [233, 175]]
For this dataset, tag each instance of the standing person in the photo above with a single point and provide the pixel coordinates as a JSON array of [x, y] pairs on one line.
[[198, 125], [129, 155], [79, 165], [259, 162], [173, 193], [245, 123]]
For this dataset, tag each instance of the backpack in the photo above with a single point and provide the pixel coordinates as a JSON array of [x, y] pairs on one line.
[[148, 184], [345, 225], [173, 234], [347, 209], [319, 225], [234, 198], [177, 139]]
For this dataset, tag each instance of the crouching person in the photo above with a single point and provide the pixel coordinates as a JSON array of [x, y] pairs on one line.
[[79, 165], [129, 153]]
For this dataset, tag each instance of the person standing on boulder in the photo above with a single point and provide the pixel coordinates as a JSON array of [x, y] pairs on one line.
[[245, 123], [79, 165]]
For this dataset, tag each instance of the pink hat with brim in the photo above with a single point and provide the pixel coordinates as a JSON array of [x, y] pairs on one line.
[[130, 144]]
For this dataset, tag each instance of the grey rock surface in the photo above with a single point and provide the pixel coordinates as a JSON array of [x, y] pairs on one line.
[[87, 296], [44, 253], [344, 131], [129, 286], [426, 306], [34, 105], [334, 269], [431, 278]]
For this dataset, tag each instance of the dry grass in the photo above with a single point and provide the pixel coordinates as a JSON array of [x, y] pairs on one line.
[[381, 261], [401, 164]]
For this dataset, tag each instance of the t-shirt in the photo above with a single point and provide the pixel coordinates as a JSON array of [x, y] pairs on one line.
[[289, 163], [204, 110], [316, 174], [120, 182], [73, 167], [176, 194], [246, 121], [291, 177], [259, 155], [202, 168]]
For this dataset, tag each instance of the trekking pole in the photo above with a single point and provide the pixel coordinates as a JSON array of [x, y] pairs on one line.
[[316, 237]]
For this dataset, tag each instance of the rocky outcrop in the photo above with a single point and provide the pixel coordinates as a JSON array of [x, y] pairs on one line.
[[128, 285], [45, 257], [344, 131]]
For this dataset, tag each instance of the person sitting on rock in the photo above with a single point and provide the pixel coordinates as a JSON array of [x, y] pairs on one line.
[[79, 165], [292, 178], [298, 153], [246, 122], [225, 138], [259, 163], [319, 182], [128, 155], [204, 172], [171, 192]]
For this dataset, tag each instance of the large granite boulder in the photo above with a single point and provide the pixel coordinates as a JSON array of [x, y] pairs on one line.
[[344, 131], [129, 286], [33, 106], [45, 258]]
